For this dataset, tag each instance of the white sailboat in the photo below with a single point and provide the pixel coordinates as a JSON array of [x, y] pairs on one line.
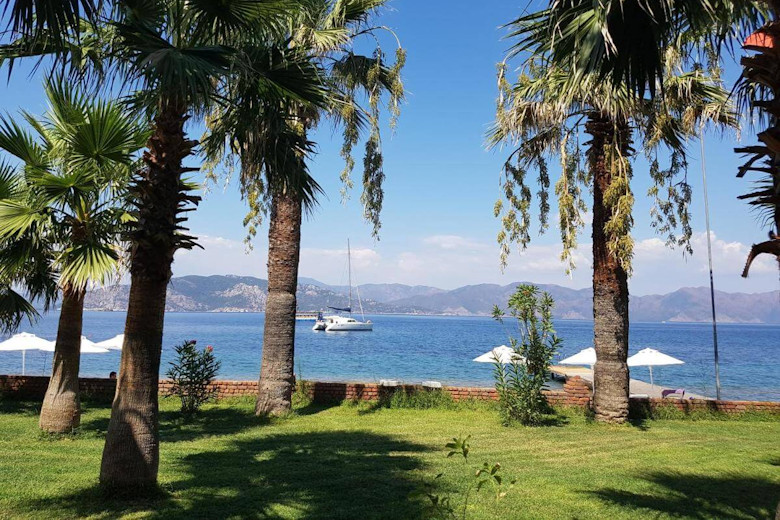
[[346, 323]]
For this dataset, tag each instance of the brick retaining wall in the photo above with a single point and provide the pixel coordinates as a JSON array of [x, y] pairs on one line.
[[640, 405], [576, 392]]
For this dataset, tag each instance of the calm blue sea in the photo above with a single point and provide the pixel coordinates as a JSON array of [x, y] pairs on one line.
[[416, 348]]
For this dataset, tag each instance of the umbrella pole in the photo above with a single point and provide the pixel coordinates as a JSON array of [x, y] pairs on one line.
[[23, 360], [652, 384]]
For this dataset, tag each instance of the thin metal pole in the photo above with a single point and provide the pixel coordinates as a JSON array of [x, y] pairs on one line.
[[349, 275], [709, 257]]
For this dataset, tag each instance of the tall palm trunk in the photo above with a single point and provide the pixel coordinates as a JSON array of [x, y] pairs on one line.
[[610, 282], [61, 410], [284, 247], [131, 453]]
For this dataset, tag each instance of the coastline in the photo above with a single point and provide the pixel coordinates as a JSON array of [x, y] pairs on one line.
[[438, 315]]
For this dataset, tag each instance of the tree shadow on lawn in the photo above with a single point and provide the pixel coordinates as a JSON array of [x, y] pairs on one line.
[[316, 407], [724, 497], [174, 427], [336, 474], [9, 405]]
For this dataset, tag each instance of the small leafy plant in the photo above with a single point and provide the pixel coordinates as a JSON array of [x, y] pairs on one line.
[[520, 383], [443, 506], [192, 373]]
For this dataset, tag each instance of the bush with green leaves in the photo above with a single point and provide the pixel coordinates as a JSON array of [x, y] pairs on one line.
[[192, 373], [520, 383]]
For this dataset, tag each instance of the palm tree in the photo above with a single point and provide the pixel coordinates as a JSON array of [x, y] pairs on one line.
[[269, 136], [543, 114], [174, 52], [66, 207], [625, 40], [173, 55]]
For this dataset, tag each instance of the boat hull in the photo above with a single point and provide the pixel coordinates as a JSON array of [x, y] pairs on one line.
[[348, 327]]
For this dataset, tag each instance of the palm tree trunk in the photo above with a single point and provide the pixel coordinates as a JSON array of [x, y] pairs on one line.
[[610, 283], [131, 453], [61, 410], [277, 375]]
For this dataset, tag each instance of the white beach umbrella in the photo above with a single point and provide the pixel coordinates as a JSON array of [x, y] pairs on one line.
[[649, 357], [583, 357], [87, 347], [25, 341], [502, 354], [114, 343]]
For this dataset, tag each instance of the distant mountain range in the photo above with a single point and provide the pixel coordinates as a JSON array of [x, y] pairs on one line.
[[229, 293]]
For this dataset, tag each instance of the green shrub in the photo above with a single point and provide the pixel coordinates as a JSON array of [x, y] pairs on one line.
[[520, 383], [192, 372]]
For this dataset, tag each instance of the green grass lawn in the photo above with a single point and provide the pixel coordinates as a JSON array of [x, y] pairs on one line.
[[361, 462]]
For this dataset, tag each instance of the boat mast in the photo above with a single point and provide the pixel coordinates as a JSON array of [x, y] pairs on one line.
[[349, 271]]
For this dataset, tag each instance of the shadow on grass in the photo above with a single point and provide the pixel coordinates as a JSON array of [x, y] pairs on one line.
[[315, 407], [19, 406], [724, 497], [341, 474], [640, 423], [554, 420], [174, 427]]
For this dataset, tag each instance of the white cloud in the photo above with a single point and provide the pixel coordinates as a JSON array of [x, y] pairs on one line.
[[658, 268], [453, 242]]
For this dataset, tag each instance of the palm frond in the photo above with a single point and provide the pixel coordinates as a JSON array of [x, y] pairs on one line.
[[21, 144], [57, 18], [10, 181], [625, 40], [354, 69], [350, 12], [182, 75], [17, 218], [87, 262], [222, 21], [14, 309]]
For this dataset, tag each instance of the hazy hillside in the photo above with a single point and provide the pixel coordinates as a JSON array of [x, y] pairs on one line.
[[693, 304], [480, 299], [236, 294], [248, 294], [380, 292]]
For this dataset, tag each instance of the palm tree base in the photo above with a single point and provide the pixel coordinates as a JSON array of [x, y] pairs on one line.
[[61, 409]]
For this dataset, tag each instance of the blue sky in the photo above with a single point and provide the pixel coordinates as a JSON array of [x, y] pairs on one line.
[[438, 227]]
